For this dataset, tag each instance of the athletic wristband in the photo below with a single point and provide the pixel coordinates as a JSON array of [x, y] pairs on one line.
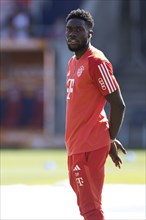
[[112, 141]]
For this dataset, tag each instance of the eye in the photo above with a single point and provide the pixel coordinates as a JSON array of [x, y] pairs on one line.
[[78, 29]]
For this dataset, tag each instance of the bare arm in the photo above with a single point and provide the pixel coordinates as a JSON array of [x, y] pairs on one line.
[[117, 112]]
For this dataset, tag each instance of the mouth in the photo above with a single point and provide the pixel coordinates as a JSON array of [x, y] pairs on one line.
[[72, 42]]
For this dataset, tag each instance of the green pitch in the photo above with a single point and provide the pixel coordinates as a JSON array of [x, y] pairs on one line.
[[50, 166], [132, 171]]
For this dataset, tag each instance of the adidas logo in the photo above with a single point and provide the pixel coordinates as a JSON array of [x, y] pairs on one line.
[[76, 168]]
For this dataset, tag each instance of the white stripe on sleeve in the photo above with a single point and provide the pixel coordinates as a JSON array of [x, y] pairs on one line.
[[110, 77], [107, 77], [99, 67]]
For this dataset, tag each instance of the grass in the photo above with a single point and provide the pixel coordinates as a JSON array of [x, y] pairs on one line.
[[33, 166], [133, 169], [50, 166]]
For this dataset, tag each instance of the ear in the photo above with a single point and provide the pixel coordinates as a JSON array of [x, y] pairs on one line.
[[90, 34]]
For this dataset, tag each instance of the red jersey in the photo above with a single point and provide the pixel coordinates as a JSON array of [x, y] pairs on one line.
[[89, 79]]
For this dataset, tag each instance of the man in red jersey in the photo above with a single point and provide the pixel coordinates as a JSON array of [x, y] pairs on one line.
[[90, 136]]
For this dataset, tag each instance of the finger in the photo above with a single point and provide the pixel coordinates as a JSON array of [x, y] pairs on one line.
[[123, 150], [120, 147], [118, 162], [119, 166], [117, 158]]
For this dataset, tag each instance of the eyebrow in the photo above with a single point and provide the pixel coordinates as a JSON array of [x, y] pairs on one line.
[[76, 26]]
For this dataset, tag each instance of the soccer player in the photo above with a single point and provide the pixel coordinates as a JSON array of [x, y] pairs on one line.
[[90, 136]]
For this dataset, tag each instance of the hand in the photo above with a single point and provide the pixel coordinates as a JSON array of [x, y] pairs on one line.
[[115, 147]]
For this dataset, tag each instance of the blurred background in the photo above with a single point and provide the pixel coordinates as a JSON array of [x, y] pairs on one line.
[[33, 62], [33, 65]]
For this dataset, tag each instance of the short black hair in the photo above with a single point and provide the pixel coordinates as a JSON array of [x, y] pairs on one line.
[[81, 14]]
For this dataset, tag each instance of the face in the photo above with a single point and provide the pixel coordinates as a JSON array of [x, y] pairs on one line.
[[77, 35]]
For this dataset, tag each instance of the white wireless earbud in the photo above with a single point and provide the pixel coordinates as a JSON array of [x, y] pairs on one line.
[[90, 34]]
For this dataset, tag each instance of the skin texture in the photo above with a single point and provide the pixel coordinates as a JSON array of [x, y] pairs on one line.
[[78, 38], [117, 111]]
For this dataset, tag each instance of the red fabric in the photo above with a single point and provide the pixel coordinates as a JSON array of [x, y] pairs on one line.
[[89, 79], [86, 174], [24, 2]]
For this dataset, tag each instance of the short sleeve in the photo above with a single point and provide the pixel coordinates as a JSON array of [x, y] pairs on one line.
[[103, 77]]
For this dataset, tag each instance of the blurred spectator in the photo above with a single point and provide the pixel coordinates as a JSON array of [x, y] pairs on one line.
[[53, 14], [58, 29], [10, 103], [18, 24], [22, 19], [27, 106], [3, 102], [36, 121], [23, 2], [6, 8]]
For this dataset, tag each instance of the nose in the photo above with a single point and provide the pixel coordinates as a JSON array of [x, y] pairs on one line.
[[72, 35]]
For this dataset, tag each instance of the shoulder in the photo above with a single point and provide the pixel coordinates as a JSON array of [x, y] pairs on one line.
[[97, 57]]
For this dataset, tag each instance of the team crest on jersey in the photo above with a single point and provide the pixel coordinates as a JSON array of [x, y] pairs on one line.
[[80, 71]]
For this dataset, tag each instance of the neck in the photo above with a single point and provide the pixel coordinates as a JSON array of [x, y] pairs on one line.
[[81, 52]]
